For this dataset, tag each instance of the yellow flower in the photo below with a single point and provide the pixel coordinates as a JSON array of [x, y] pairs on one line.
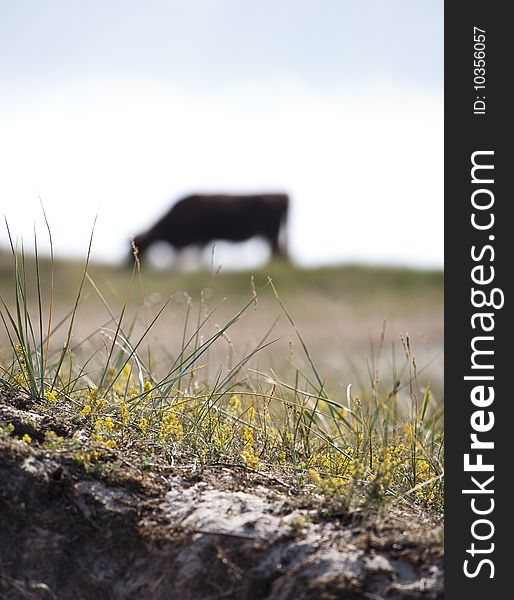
[[124, 413], [248, 440], [93, 400], [250, 459], [22, 376], [223, 434], [108, 424], [85, 411], [171, 427], [314, 476], [83, 457], [248, 455], [143, 424], [51, 396], [408, 432], [422, 469], [26, 438]]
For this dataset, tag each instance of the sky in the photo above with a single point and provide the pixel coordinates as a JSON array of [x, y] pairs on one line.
[[116, 108]]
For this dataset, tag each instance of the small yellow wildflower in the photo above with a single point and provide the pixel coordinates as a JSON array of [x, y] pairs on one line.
[[250, 459], [83, 457], [85, 411], [314, 476], [337, 483], [321, 460], [408, 431], [248, 454], [300, 521], [124, 413], [248, 440], [223, 434], [423, 469], [108, 424], [147, 386], [143, 424], [26, 438], [22, 375], [20, 379], [51, 396], [171, 427]]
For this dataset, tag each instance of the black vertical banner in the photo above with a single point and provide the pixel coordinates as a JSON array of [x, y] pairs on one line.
[[479, 338]]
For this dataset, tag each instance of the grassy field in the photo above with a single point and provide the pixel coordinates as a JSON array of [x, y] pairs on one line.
[[341, 313], [331, 377]]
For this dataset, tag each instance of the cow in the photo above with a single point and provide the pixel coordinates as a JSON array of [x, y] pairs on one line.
[[200, 219]]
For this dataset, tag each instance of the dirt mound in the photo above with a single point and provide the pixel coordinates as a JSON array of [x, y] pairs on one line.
[[221, 532]]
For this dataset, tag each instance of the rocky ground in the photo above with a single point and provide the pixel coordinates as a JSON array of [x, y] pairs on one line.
[[190, 533]]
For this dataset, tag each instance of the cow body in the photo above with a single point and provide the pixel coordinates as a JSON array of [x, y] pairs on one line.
[[202, 218]]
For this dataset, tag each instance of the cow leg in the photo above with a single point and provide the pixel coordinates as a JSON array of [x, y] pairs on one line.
[[277, 250]]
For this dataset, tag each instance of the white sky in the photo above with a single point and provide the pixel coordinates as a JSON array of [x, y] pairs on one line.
[[121, 107]]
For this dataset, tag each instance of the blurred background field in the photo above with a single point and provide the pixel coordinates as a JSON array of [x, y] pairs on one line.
[[352, 318], [123, 108]]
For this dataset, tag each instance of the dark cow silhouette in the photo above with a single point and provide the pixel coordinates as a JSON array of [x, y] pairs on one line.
[[202, 218]]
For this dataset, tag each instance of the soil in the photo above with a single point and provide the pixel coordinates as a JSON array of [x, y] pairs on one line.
[[191, 532]]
